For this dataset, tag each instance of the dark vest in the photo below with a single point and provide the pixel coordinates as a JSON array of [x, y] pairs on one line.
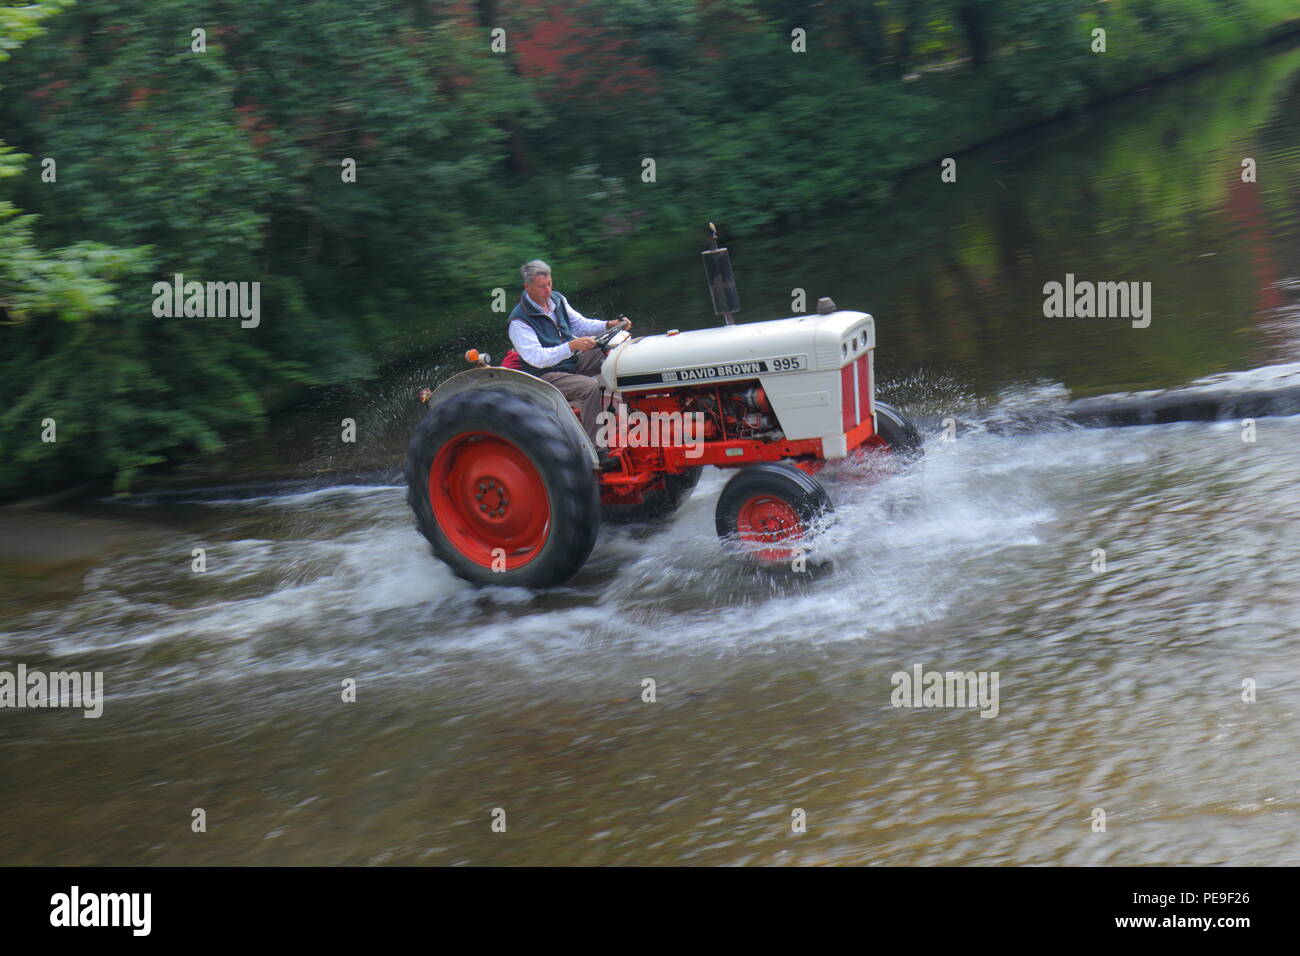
[[548, 335]]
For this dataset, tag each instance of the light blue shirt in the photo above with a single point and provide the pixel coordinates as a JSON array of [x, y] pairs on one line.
[[524, 339]]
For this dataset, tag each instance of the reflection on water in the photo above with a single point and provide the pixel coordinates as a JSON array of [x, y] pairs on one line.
[[1120, 690]]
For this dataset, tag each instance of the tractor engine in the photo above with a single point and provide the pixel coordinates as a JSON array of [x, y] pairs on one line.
[[721, 411], [736, 412]]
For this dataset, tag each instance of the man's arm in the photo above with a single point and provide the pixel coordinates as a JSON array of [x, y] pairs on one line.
[[524, 339]]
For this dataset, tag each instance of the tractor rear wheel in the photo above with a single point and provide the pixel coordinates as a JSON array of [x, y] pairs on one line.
[[768, 511], [657, 502], [502, 491]]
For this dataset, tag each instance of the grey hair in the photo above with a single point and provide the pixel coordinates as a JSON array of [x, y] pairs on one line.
[[530, 270]]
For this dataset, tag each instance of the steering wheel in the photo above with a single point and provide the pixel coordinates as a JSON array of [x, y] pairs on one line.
[[605, 338]]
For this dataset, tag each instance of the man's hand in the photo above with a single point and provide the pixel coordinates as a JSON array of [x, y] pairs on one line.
[[622, 320], [582, 344]]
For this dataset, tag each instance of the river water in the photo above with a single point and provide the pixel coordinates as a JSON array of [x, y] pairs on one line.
[[1119, 690]]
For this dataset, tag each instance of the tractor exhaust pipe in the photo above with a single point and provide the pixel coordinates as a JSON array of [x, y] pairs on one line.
[[722, 283]]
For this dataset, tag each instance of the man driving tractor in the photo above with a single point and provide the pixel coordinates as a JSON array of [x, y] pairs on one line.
[[557, 343], [501, 477]]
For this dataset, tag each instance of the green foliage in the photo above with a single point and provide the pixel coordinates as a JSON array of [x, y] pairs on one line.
[[225, 165], [48, 300]]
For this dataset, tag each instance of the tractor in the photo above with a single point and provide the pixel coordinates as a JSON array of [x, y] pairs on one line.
[[510, 491]]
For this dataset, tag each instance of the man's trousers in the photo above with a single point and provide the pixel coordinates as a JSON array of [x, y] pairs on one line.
[[582, 389]]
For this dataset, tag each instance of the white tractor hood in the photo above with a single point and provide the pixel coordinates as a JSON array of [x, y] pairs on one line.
[[810, 343]]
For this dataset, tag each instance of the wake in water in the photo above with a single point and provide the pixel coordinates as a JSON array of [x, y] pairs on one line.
[[338, 576], [297, 579]]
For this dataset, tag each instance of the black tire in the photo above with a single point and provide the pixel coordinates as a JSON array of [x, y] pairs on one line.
[[562, 466], [801, 492], [657, 503], [897, 430]]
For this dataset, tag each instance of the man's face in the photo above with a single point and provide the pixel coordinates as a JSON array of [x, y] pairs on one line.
[[539, 288]]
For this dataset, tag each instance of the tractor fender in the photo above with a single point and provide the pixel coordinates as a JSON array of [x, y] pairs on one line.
[[529, 386]]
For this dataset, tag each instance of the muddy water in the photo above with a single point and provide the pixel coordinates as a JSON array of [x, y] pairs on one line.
[[1119, 690]]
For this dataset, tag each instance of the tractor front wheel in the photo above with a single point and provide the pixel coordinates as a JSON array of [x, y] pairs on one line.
[[768, 512], [896, 430], [502, 491]]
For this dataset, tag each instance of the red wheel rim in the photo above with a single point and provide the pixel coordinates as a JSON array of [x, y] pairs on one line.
[[765, 520], [489, 500]]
